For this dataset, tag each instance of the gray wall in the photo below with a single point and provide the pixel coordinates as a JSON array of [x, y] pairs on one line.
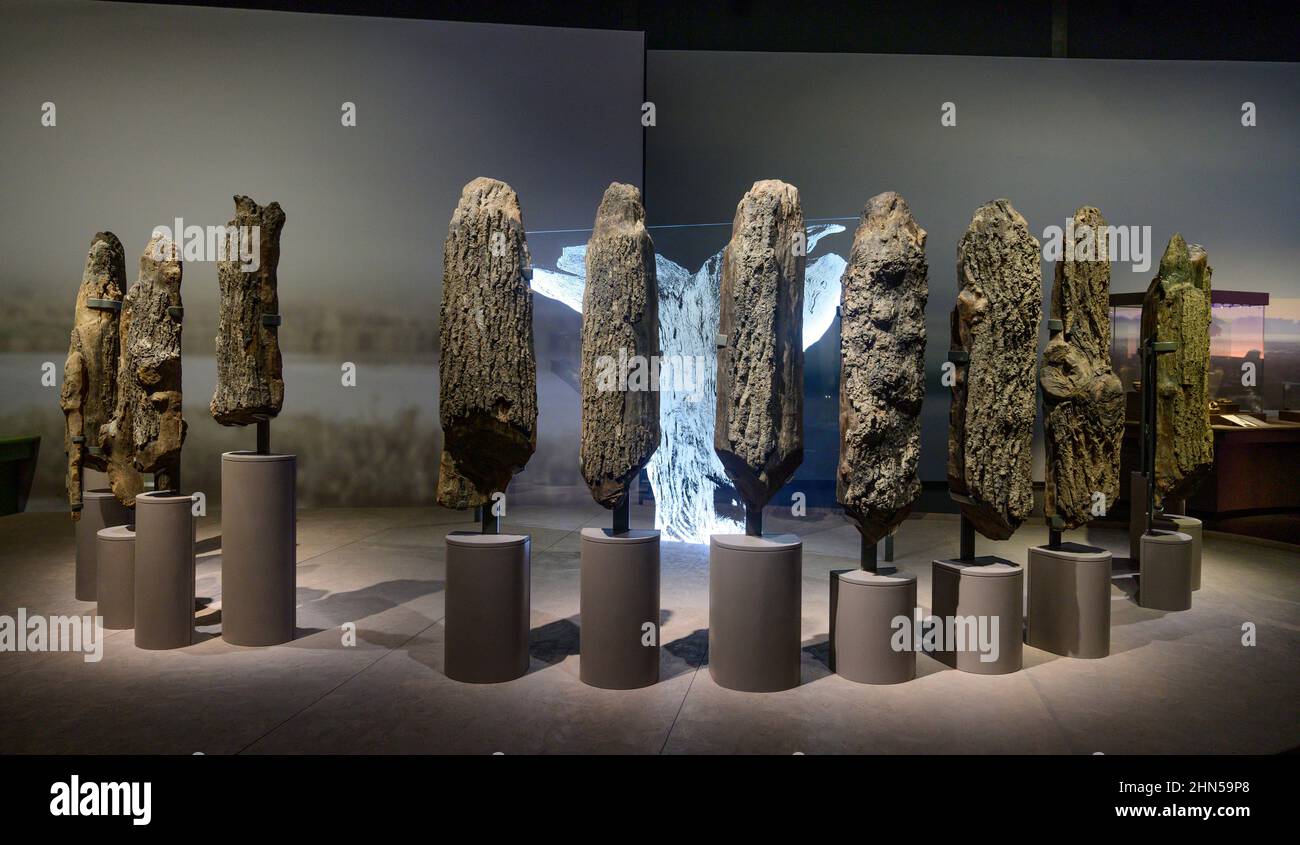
[[1151, 144], [166, 112]]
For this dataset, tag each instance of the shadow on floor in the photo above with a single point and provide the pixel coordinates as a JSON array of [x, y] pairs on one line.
[[689, 653], [818, 647], [323, 611], [554, 641], [319, 610]]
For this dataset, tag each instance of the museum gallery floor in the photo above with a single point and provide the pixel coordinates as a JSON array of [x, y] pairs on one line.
[[1174, 682]]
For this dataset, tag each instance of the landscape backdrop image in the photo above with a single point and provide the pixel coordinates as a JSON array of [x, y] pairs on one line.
[[181, 120]]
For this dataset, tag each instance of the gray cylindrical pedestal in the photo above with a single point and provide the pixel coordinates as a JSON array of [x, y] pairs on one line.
[[164, 570], [100, 509], [1191, 526], [1166, 576], [755, 596], [486, 623], [619, 599], [115, 584], [258, 544], [863, 609], [93, 479], [972, 594], [1069, 600]]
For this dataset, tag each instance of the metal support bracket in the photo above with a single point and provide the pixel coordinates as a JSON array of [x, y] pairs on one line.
[[623, 516]]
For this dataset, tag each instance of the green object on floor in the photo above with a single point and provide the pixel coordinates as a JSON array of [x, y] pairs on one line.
[[17, 469]]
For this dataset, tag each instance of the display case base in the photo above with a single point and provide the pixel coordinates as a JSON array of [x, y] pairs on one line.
[[972, 594], [100, 509], [258, 548], [1165, 579], [863, 609], [755, 597], [619, 609], [164, 570], [115, 582], [1069, 600], [487, 611]]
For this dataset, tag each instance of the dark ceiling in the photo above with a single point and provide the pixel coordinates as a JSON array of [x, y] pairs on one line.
[[1101, 29]]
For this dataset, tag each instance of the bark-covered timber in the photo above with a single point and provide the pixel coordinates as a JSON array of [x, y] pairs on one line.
[[487, 402], [1176, 309], [250, 373], [88, 396], [883, 294], [995, 330], [758, 429], [147, 429], [620, 327], [1083, 400]]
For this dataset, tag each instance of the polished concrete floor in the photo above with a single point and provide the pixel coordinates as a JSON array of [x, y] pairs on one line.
[[1174, 683]]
